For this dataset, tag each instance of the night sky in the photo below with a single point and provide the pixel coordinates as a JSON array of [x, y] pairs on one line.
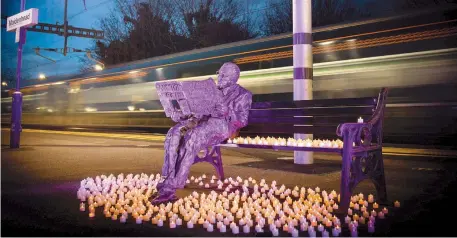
[[52, 11]]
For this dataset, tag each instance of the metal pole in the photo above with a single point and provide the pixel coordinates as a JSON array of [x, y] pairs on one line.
[[16, 113], [65, 26], [303, 64]]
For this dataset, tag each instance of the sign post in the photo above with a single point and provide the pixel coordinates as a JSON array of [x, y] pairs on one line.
[[19, 22]]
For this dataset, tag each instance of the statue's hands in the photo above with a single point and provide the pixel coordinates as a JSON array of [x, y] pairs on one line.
[[220, 110], [179, 117]]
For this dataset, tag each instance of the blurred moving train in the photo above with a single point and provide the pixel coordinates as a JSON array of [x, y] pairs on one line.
[[415, 56]]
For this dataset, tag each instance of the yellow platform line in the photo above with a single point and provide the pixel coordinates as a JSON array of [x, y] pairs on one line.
[[161, 138], [97, 134]]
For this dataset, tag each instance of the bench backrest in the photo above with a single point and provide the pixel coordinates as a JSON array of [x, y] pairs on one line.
[[318, 117]]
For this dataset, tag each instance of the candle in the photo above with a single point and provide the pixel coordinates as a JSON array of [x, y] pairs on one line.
[[160, 222], [381, 215], [210, 228], [325, 233], [360, 120], [363, 209], [349, 212], [172, 224], [356, 206], [190, 224], [353, 230], [370, 198], [347, 219], [320, 227], [397, 204], [91, 214], [294, 233], [139, 219], [335, 231], [179, 222], [154, 220], [385, 211], [235, 230], [370, 227], [375, 205], [275, 232], [123, 219], [223, 228]]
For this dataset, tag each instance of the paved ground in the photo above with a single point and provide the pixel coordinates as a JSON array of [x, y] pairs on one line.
[[40, 180]]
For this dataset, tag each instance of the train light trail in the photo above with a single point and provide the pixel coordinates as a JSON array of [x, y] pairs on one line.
[[131, 108], [90, 109], [42, 76], [327, 43], [98, 67], [134, 72], [4, 84]]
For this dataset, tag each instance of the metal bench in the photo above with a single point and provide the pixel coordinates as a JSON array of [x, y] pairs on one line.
[[362, 149]]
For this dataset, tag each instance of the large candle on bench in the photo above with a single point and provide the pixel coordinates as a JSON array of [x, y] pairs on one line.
[[360, 120]]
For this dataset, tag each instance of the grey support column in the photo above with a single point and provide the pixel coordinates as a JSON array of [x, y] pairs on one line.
[[303, 64]]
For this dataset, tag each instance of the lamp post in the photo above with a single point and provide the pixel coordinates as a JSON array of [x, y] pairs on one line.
[[302, 64]]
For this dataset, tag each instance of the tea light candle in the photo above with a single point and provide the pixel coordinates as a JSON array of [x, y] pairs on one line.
[[353, 230], [190, 224], [347, 219], [349, 212], [172, 224], [381, 215], [139, 219], [325, 233], [356, 206], [235, 230], [160, 222], [210, 228], [294, 233], [82, 207], [275, 232], [123, 219], [375, 205], [370, 198], [397, 204], [320, 227], [363, 209], [385, 211], [91, 214]]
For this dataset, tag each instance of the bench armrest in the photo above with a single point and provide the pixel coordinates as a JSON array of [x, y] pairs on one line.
[[358, 133]]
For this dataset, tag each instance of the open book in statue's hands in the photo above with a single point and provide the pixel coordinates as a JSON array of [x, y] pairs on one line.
[[186, 98]]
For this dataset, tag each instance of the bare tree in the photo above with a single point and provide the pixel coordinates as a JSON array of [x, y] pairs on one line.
[[278, 14], [211, 22]]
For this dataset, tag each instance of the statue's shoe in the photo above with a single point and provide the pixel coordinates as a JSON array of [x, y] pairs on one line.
[[164, 198]]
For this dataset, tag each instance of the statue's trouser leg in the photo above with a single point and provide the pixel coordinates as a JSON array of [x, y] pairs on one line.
[[187, 156], [171, 147]]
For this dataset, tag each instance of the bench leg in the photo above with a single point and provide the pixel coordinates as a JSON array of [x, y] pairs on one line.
[[345, 188], [378, 178], [214, 157], [217, 162]]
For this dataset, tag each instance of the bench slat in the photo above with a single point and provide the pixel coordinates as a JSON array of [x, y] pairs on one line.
[[357, 111], [289, 128], [365, 101], [310, 120]]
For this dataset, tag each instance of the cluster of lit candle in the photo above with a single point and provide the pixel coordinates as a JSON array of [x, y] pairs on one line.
[[287, 142], [242, 206]]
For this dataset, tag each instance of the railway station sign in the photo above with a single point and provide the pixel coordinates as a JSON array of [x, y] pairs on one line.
[[22, 19]]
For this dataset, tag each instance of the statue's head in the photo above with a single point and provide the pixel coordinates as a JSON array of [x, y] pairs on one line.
[[228, 75]]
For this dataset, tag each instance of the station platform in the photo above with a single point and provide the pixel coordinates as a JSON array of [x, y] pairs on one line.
[[40, 181]]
